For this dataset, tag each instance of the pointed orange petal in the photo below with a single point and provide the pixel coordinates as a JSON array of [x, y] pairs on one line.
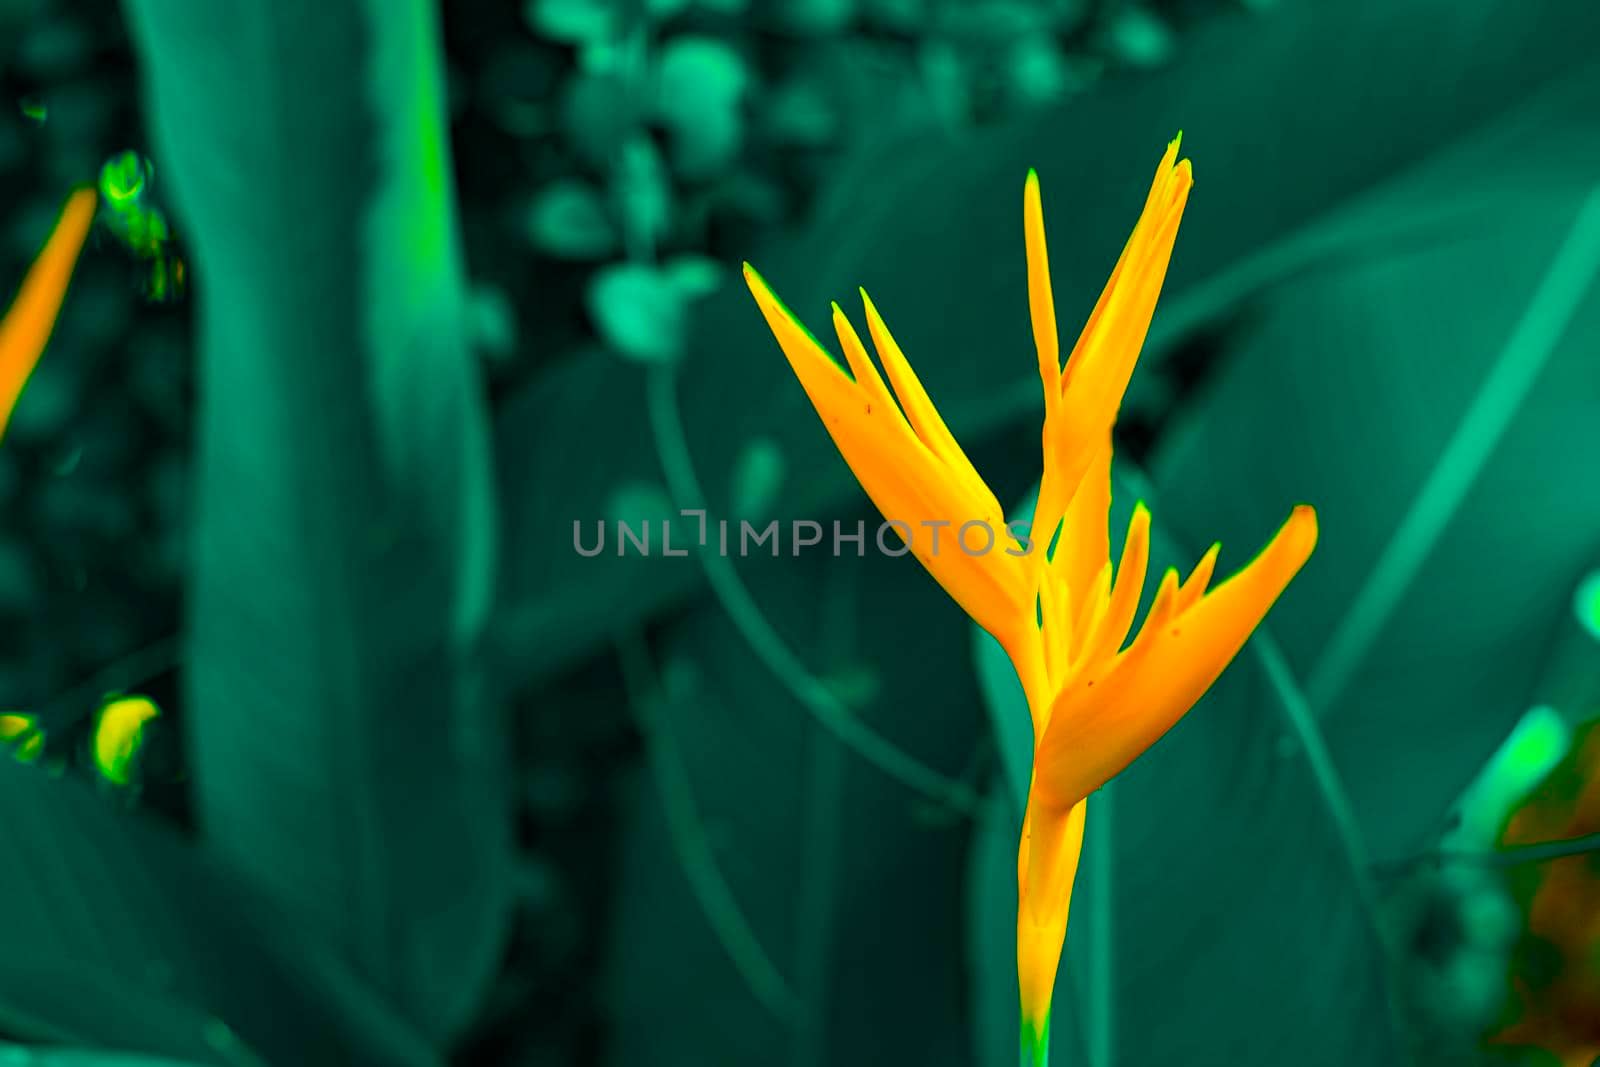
[[26, 328], [1085, 544], [924, 417], [1161, 607], [1194, 587], [1107, 639], [1103, 359], [908, 482], [1041, 302], [1101, 724], [1091, 614], [861, 367]]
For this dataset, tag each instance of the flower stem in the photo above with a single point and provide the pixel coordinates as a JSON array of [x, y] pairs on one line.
[[1036, 1043]]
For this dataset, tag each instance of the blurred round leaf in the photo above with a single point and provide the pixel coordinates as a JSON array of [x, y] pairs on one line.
[[992, 21], [700, 85], [567, 219], [661, 10], [696, 277], [642, 194], [1038, 72], [758, 475], [856, 685], [906, 16], [814, 17], [638, 311], [597, 114], [514, 84], [1458, 927], [637, 503], [799, 113], [947, 81], [1586, 604], [1139, 37], [1068, 15], [696, 71], [492, 321], [576, 22]]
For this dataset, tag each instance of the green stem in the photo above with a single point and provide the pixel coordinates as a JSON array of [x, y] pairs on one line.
[[768, 646], [1036, 1043]]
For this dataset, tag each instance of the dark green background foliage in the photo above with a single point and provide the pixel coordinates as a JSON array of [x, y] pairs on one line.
[[431, 788]]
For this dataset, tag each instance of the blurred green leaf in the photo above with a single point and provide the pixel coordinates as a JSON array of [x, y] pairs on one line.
[[1586, 604], [568, 219], [1227, 884], [598, 115], [758, 476], [1138, 37], [643, 196], [814, 901], [799, 112], [21, 1056], [120, 934], [1359, 92], [696, 277], [811, 17], [638, 504], [493, 322], [1422, 371], [345, 751], [638, 312], [699, 91], [574, 21]]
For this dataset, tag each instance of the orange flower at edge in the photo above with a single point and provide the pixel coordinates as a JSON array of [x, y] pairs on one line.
[[26, 328], [1062, 616]]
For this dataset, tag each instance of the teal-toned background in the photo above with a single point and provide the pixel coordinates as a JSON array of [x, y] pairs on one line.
[[439, 279]]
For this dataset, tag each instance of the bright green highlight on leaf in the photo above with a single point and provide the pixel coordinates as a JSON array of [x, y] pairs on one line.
[[1586, 604], [1534, 746], [125, 181], [23, 735], [122, 178], [119, 734]]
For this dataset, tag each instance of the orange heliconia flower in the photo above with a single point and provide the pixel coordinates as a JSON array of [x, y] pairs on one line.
[[1062, 615], [27, 325]]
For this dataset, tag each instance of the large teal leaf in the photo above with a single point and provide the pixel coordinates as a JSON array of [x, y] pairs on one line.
[[1220, 916], [344, 751], [1287, 117], [18, 1056], [1423, 371], [780, 899], [22, 1056], [119, 934]]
